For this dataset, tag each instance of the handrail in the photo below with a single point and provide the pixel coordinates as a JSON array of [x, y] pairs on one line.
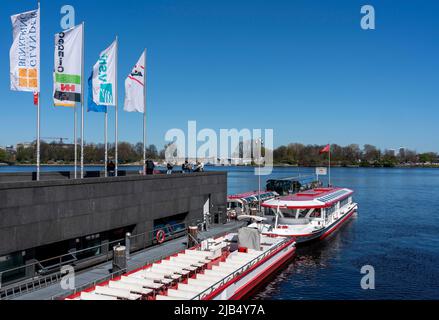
[[235, 273]]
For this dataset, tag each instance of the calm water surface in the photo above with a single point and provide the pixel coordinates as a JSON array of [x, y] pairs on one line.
[[396, 231]]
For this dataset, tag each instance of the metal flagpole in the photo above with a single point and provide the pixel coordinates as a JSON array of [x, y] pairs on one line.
[[259, 174], [106, 142], [82, 103], [144, 115], [116, 135], [39, 98], [76, 143], [38, 138], [329, 171]]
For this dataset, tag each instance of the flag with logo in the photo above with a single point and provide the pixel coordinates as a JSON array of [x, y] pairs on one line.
[[67, 82], [135, 87], [104, 77], [24, 54], [92, 106]]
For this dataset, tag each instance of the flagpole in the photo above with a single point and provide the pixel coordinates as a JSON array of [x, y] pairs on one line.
[[106, 142], [144, 117], [116, 97], [75, 139], [329, 171], [82, 103], [38, 138], [39, 98]]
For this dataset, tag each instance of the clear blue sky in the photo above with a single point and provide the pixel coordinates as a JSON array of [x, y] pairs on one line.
[[304, 68]]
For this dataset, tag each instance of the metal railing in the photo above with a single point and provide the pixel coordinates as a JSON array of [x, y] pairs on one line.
[[236, 273]]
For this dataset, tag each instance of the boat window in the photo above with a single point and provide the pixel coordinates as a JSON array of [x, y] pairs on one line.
[[330, 211], [303, 213], [344, 202], [288, 213], [291, 213], [269, 212], [234, 205], [317, 213]]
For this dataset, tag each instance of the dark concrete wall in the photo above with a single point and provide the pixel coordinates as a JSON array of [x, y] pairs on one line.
[[39, 213], [56, 175]]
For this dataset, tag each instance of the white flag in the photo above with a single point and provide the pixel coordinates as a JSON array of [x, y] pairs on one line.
[[135, 87], [104, 77], [68, 67], [25, 52]]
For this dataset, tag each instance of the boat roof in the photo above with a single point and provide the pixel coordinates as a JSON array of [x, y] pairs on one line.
[[306, 178], [313, 198], [252, 194]]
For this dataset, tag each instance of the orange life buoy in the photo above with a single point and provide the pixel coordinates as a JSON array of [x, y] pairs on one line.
[[160, 236]]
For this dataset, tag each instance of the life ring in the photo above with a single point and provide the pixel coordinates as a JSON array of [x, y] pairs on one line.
[[160, 236]]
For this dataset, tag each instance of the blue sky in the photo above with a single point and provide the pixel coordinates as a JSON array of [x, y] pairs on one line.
[[303, 68]]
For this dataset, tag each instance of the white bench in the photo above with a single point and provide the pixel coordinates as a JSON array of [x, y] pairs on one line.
[[142, 281], [161, 273], [93, 296], [201, 282], [185, 266], [161, 297], [168, 268], [133, 288], [118, 293], [181, 294]]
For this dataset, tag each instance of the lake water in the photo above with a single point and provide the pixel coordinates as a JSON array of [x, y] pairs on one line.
[[396, 231]]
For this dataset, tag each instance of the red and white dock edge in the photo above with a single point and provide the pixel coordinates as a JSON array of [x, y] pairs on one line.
[[218, 269], [308, 215]]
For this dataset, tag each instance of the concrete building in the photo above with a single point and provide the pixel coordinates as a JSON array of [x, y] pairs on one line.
[[59, 215]]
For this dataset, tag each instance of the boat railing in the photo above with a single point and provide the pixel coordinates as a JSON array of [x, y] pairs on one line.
[[237, 272]]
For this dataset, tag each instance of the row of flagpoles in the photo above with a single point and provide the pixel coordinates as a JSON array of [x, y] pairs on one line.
[[68, 79]]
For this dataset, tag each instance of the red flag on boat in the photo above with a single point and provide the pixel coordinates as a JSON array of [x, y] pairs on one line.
[[36, 98], [326, 149]]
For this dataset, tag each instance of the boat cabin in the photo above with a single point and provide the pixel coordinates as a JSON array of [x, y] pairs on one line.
[[286, 186], [247, 203], [308, 211]]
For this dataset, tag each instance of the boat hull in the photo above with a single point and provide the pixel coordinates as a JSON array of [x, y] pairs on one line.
[[239, 287]]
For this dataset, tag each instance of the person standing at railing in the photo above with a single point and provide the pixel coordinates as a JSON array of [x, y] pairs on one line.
[[111, 169], [169, 166], [150, 166]]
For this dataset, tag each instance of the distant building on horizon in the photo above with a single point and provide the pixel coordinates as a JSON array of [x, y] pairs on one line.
[[401, 152]]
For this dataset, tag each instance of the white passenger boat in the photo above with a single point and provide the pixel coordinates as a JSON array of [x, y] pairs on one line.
[[226, 268], [247, 203], [308, 215]]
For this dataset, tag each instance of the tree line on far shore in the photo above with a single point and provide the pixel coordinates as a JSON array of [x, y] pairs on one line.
[[291, 154], [56, 153], [351, 155]]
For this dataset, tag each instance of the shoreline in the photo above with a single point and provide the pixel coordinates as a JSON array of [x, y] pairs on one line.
[[430, 166]]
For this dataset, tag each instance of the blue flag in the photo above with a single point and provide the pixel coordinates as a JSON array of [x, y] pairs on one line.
[[92, 106]]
